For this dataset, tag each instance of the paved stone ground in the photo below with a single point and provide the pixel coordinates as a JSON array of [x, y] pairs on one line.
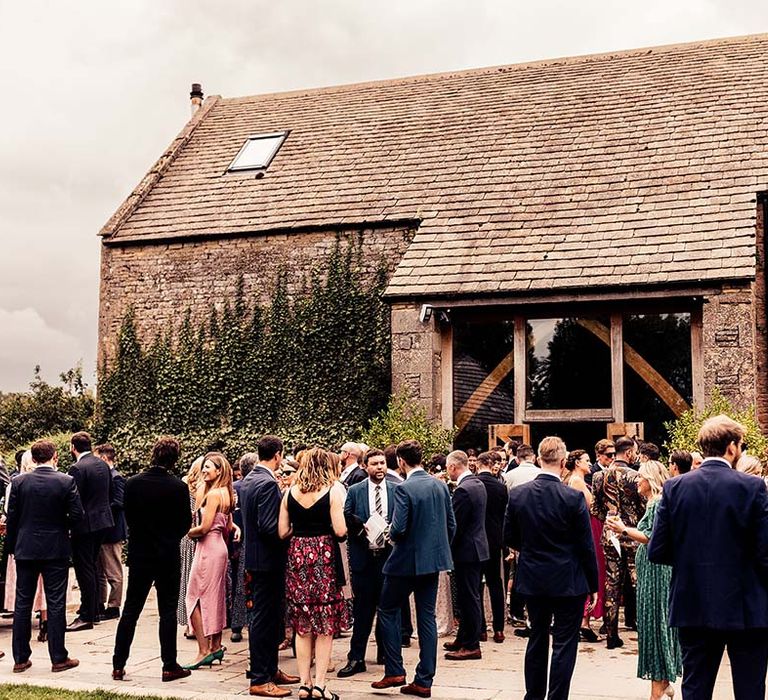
[[600, 674]]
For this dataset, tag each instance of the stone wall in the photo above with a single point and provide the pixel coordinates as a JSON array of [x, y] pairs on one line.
[[728, 326], [161, 280], [416, 357]]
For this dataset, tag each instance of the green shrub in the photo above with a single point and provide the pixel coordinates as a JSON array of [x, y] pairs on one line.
[[406, 419], [684, 431], [61, 440]]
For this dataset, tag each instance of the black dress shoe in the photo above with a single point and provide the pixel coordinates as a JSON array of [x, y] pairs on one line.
[[405, 643], [523, 632], [110, 614], [77, 625], [351, 669], [614, 642]]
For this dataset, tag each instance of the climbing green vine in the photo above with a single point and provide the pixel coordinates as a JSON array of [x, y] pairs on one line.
[[313, 368]]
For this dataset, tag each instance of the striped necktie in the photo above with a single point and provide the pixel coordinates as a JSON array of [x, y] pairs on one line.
[[379, 541]]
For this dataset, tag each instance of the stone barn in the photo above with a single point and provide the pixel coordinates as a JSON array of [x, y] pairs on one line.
[[576, 245]]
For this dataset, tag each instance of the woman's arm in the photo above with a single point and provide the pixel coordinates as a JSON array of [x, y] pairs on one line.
[[337, 510], [209, 513], [284, 527], [632, 533]]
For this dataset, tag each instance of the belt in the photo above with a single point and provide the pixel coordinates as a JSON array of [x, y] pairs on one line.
[[378, 552]]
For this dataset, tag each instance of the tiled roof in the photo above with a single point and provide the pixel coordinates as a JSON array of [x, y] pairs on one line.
[[641, 165]]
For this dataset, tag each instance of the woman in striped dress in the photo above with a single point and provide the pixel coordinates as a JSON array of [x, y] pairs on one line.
[[194, 482]]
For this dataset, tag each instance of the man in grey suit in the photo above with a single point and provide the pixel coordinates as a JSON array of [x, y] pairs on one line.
[[422, 527], [43, 506]]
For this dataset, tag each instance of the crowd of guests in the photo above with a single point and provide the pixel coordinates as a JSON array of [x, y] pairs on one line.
[[299, 548]]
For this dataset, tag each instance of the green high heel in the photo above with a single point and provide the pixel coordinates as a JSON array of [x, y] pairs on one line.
[[205, 661], [218, 655]]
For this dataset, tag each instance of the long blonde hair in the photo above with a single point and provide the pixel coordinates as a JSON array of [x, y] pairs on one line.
[[194, 475], [27, 463], [223, 481], [315, 471], [655, 473], [749, 464]]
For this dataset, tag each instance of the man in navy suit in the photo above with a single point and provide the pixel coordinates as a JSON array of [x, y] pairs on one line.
[[265, 558], [547, 522], [421, 530], [712, 528], [43, 506], [94, 484], [366, 559], [469, 548]]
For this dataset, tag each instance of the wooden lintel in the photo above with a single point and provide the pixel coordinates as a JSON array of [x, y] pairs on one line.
[[569, 415]]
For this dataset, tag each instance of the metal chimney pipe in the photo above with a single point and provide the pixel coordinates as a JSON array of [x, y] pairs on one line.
[[196, 97]]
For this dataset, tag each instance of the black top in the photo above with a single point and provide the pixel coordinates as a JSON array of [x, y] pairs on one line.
[[470, 543], [313, 521], [94, 484]]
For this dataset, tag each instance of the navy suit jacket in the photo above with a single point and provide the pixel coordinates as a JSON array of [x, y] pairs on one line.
[[712, 528], [548, 523], [260, 507], [494, 510], [357, 510], [43, 506], [94, 483], [470, 544], [422, 527], [118, 532]]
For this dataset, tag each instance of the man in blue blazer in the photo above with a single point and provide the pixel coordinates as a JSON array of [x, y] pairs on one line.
[[547, 522], [366, 559], [422, 528], [265, 558], [470, 550], [712, 528], [43, 506]]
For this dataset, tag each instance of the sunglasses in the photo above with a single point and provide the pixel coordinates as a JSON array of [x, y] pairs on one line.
[[609, 454]]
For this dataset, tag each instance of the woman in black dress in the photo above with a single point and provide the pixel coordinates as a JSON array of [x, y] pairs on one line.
[[312, 515]]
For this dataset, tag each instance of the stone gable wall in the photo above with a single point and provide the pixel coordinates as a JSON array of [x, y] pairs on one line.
[[161, 280]]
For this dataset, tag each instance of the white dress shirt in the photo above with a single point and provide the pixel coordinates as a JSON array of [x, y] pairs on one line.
[[347, 471], [521, 475]]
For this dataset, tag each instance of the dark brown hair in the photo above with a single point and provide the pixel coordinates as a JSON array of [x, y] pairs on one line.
[[105, 451], [268, 447], [410, 452], [719, 432], [81, 442], [373, 452], [682, 460], [166, 452], [42, 451]]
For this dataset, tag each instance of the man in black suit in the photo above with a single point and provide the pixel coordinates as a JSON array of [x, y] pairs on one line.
[[712, 528], [366, 559], [94, 483], [494, 530], [351, 471], [265, 559], [548, 524], [110, 563], [469, 548], [157, 514], [43, 505]]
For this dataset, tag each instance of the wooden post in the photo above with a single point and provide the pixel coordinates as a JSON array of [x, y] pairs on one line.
[[617, 367], [446, 376], [697, 359], [521, 369]]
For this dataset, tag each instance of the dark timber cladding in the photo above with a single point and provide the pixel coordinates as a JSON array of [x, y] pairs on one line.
[[626, 181]]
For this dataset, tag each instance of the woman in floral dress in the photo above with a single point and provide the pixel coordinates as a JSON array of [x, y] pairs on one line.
[[312, 516], [659, 657]]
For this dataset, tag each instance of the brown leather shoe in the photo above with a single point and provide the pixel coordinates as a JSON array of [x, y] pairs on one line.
[[413, 689], [23, 666], [498, 637], [269, 690], [282, 678], [175, 674], [65, 665], [464, 655], [451, 646], [118, 674], [388, 682]]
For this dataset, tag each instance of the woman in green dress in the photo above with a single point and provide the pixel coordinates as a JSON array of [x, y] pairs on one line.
[[659, 657]]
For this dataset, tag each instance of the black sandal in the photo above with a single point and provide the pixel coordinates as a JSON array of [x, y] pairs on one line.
[[307, 689], [322, 695]]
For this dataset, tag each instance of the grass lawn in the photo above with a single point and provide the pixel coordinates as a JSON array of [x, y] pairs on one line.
[[31, 692]]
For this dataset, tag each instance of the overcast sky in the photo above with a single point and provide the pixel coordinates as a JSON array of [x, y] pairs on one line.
[[93, 92]]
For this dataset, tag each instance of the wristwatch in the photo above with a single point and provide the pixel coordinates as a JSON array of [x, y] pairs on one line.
[[624, 532]]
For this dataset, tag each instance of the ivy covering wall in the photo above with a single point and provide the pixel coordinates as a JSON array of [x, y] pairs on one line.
[[314, 368]]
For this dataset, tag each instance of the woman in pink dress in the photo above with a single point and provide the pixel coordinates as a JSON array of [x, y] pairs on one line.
[[577, 466], [207, 589]]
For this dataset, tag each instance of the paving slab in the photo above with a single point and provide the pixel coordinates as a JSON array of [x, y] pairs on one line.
[[600, 674]]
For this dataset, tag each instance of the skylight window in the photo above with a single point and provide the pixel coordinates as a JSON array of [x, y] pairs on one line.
[[257, 152]]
